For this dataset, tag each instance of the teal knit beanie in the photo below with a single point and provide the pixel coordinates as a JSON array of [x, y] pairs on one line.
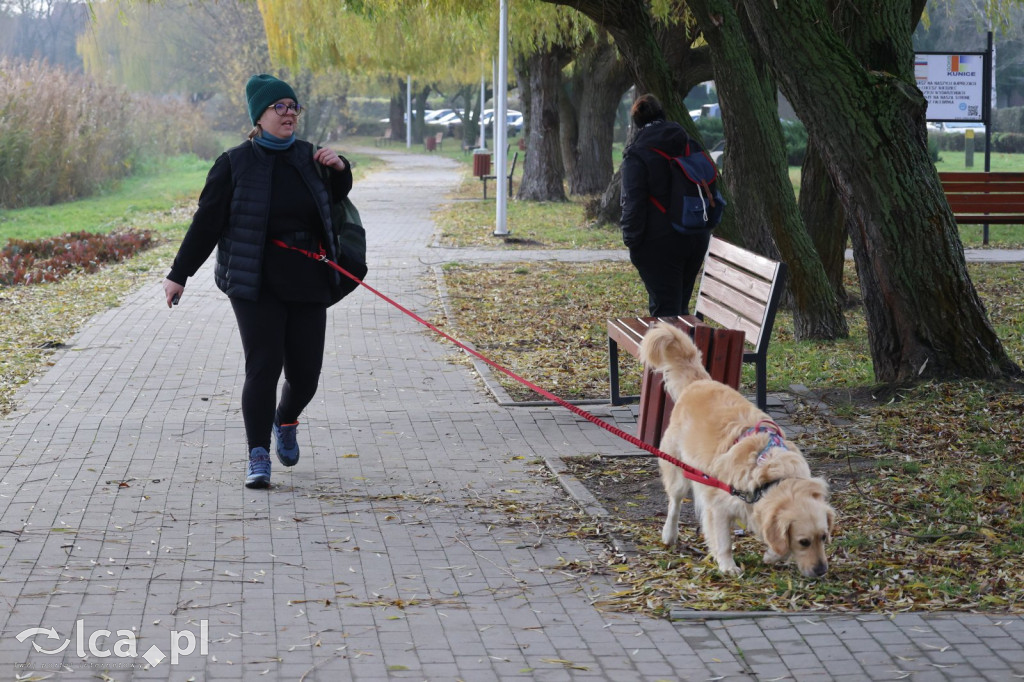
[[262, 90]]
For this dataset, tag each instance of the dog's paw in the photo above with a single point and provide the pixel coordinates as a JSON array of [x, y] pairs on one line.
[[669, 539], [730, 568]]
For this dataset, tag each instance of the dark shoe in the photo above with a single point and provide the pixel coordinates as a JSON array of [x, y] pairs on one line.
[[258, 472], [287, 446]]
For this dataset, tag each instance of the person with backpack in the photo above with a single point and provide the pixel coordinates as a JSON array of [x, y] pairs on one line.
[[262, 199], [667, 260]]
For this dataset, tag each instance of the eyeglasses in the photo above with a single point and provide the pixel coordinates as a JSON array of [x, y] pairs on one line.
[[281, 108]]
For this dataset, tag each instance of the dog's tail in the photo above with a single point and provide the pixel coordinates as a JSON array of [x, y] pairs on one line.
[[671, 351]]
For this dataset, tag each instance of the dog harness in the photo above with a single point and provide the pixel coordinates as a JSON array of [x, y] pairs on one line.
[[775, 440]]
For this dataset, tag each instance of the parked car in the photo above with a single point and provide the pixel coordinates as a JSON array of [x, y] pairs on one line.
[[962, 127], [515, 122], [717, 152], [448, 119], [432, 117], [488, 116], [513, 118]]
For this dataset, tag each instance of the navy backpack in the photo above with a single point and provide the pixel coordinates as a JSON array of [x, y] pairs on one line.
[[696, 205]]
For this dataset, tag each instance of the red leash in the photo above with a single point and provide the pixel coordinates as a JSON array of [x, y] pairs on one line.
[[690, 472]]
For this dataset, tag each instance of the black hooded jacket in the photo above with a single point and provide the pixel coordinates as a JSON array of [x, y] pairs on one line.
[[646, 174]]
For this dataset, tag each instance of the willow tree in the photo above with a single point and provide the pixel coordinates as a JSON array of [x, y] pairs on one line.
[[925, 318], [391, 41], [203, 49], [454, 41], [595, 82]]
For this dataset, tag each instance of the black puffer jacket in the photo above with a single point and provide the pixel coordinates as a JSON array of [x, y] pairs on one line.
[[233, 212], [645, 174]]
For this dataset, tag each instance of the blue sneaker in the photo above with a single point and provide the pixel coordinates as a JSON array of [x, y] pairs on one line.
[[257, 475], [287, 446]]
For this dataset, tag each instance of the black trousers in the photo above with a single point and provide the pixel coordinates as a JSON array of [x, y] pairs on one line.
[[278, 335], [669, 267]]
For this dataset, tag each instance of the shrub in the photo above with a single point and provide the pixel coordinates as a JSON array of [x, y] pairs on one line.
[[1008, 120], [1011, 143], [47, 260], [711, 130], [63, 136], [795, 135], [956, 141]]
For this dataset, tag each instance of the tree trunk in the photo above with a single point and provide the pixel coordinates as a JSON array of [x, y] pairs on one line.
[[419, 103], [924, 317], [819, 204], [661, 59], [657, 60], [608, 209], [543, 171], [587, 116], [761, 193], [396, 112], [824, 219]]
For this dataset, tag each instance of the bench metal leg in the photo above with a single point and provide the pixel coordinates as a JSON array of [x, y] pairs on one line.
[[613, 371], [761, 378], [613, 377]]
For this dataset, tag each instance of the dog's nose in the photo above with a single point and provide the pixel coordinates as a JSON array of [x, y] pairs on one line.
[[821, 569]]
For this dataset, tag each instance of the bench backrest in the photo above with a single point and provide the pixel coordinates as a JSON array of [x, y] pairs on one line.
[[984, 193], [740, 289]]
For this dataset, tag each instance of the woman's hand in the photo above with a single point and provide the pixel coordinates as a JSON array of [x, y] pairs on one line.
[[328, 157], [173, 292]]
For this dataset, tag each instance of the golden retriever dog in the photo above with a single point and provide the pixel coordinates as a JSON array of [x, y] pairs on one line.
[[716, 430]]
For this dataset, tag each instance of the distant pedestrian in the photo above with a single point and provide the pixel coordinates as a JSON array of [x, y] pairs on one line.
[[270, 188], [668, 261]]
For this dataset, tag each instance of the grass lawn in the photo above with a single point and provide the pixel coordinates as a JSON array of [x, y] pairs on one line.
[[160, 189]]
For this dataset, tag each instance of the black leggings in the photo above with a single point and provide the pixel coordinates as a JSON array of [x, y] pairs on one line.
[[278, 335], [669, 269]]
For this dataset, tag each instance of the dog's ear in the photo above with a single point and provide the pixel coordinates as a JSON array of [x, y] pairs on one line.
[[831, 515], [821, 491], [776, 536]]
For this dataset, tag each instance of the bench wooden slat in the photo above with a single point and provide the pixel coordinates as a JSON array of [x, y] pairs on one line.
[[980, 187], [959, 176], [982, 218], [729, 319], [755, 263], [756, 287], [983, 198], [731, 308], [982, 203]]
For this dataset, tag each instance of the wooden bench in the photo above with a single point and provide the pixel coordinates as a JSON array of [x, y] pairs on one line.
[[485, 178], [722, 350], [739, 290], [433, 142], [384, 139], [979, 198]]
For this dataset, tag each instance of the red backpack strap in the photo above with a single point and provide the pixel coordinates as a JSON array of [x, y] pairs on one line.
[[670, 159]]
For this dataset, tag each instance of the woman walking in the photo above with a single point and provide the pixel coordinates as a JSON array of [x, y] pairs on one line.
[[266, 190], [668, 262]]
